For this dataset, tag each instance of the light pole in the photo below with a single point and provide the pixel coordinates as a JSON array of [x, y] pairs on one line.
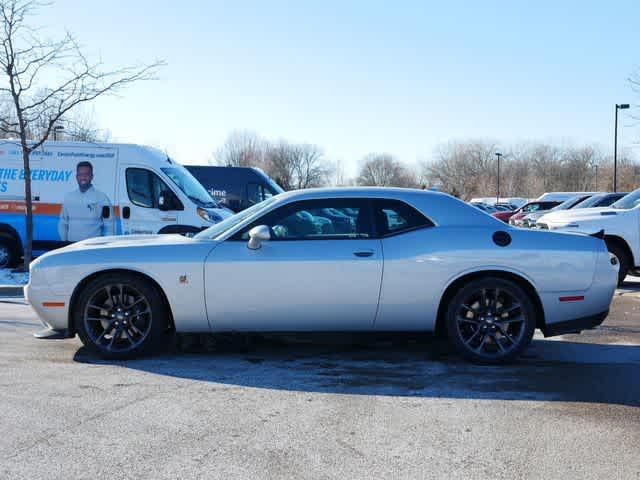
[[622, 106], [498, 155]]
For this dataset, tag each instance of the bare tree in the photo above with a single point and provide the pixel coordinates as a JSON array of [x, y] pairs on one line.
[[81, 127], [29, 63], [634, 79], [242, 148], [468, 169], [382, 170], [464, 169], [296, 166]]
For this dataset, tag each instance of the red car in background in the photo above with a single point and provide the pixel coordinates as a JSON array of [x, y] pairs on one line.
[[526, 209]]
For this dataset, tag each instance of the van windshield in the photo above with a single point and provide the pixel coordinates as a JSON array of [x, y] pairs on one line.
[[230, 222], [190, 186]]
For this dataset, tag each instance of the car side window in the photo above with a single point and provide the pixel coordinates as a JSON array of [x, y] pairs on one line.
[[144, 187], [394, 216], [330, 219]]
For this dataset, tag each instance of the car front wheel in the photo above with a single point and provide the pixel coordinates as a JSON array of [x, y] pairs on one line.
[[120, 316], [490, 320]]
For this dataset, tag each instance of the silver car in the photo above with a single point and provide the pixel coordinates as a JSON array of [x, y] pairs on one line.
[[348, 259]]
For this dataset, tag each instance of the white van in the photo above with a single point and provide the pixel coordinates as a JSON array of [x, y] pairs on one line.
[[147, 193]]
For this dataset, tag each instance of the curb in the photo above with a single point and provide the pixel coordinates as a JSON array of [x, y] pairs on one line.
[[11, 290]]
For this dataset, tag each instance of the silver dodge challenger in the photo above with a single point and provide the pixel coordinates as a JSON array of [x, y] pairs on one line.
[[348, 259]]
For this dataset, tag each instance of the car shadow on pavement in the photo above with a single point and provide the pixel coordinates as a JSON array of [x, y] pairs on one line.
[[550, 370]]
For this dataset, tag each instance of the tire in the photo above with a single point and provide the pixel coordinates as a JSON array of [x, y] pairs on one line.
[[624, 260], [8, 252], [497, 332], [120, 316]]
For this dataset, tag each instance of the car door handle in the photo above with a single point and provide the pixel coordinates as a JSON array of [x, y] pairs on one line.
[[126, 212], [363, 253]]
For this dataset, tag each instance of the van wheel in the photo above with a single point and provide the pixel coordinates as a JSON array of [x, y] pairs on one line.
[[120, 316], [8, 252], [623, 260]]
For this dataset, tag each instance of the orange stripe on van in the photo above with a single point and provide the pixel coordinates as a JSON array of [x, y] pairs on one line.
[[39, 208], [53, 304]]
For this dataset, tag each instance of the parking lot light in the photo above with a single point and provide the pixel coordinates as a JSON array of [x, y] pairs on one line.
[[498, 155], [622, 106]]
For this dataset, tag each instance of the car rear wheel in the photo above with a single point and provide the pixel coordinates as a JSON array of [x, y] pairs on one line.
[[490, 320], [120, 316]]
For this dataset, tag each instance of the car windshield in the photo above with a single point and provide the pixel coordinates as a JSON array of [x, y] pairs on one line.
[[566, 205], [628, 201], [189, 186], [591, 201], [230, 222]]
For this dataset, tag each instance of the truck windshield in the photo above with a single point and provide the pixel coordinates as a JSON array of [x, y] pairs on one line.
[[230, 222], [628, 201], [190, 186]]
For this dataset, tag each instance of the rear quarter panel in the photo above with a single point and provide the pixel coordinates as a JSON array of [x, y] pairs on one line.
[[420, 265]]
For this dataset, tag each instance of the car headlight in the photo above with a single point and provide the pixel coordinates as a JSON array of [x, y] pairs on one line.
[[208, 216]]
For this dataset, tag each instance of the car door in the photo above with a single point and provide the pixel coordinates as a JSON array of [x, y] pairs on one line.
[[317, 272], [140, 202]]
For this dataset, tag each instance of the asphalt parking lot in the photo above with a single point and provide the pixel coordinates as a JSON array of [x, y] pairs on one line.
[[379, 408]]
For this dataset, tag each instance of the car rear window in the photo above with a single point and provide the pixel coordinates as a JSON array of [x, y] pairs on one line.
[[394, 216]]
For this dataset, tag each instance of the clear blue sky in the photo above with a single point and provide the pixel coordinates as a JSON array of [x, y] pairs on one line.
[[362, 76]]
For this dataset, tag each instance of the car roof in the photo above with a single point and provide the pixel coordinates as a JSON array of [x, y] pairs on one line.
[[441, 208]]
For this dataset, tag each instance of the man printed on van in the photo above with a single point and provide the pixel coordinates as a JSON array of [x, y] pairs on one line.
[[81, 215]]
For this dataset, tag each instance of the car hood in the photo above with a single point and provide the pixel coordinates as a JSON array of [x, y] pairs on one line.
[[129, 240], [580, 213]]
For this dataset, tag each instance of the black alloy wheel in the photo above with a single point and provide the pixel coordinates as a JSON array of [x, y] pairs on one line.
[[491, 320], [120, 316]]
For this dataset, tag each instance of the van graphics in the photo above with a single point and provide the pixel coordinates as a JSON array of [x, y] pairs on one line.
[[12, 175], [62, 154]]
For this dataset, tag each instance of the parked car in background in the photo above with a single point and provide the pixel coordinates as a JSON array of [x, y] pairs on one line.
[[288, 265], [529, 221], [562, 196], [506, 206], [484, 207], [600, 200], [596, 201], [519, 213], [235, 187], [515, 201], [503, 208], [620, 223]]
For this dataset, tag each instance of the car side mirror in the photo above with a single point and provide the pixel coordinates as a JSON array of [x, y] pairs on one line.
[[257, 235], [162, 202], [166, 201]]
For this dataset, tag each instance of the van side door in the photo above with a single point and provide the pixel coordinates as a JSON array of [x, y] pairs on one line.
[[148, 204]]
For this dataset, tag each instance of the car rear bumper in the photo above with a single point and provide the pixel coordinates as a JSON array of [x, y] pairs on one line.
[[575, 325]]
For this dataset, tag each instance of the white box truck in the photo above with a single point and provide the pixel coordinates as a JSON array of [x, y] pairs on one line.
[[133, 189]]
